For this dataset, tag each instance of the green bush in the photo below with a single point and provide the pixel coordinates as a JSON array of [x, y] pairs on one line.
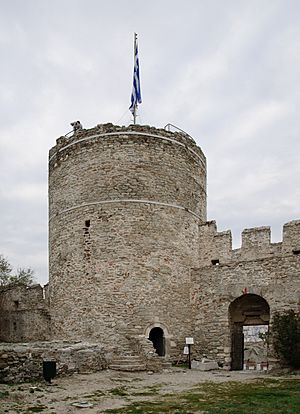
[[286, 338]]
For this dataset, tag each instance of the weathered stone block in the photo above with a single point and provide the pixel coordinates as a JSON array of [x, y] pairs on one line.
[[205, 365]]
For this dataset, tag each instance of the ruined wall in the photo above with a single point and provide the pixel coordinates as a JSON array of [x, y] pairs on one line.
[[269, 270], [24, 314], [124, 210], [24, 362]]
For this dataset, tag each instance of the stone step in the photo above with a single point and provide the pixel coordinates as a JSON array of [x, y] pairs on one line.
[[128, 367], [166, 364], [126, 353], [127, 363], [128, 358]]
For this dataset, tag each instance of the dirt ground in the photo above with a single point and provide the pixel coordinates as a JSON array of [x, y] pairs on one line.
[[106, 389]]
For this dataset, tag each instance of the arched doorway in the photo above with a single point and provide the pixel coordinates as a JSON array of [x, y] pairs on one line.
[[156, 336], [248, 310]]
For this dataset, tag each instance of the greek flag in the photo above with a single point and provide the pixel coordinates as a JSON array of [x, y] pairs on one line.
[[136, 96]]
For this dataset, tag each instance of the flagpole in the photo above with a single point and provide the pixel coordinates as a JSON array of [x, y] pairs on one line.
[[135, 105]]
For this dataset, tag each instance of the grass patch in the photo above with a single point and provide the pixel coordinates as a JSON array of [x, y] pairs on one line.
[[148, 391], [183, 365], [98, 393], [36, 409], [91, 396], [95, 395], [119, 391], [266, 396]]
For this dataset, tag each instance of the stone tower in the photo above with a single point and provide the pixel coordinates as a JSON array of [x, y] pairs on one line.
[[125, 204]]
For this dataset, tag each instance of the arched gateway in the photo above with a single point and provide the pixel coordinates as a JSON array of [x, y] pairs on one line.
[[246, 310]]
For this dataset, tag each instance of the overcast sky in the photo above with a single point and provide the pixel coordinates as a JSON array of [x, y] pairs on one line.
[[227, 72]]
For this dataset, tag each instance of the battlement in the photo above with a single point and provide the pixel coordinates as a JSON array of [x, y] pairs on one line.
[[291, 237], [257, 237], [109, 129], [216, 247]]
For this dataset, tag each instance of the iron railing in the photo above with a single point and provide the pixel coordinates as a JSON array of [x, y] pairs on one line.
[[173, 128]]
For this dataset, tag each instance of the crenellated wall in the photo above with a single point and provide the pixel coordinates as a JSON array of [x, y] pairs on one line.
[[256, 243], [213, 245], [269, 270], [291, 237]]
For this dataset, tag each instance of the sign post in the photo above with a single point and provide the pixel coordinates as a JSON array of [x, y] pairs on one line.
[[189, 341]]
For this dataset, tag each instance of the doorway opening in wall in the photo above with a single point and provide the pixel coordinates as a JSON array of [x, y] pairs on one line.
[[255, 347], [249, 317], [157, 337]]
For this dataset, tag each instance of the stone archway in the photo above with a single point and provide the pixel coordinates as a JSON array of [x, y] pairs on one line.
[[246, 310], [156, 336]]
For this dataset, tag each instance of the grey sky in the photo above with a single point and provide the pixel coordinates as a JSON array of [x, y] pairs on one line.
[[227, 72]]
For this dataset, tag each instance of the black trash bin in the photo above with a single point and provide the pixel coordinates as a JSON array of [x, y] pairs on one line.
[[49, 370]]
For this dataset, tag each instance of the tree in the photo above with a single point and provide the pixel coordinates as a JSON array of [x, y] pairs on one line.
[[5, 271], [286, 337], [7, 278]]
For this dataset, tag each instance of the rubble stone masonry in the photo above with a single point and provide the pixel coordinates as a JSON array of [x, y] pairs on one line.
[[268, 270], [124, 207], [24, 314], [130, 249]]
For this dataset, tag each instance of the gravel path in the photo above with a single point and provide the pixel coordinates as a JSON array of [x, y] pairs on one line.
[[106, 389]]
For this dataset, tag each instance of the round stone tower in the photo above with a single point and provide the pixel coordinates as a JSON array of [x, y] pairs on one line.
[[125, 204]]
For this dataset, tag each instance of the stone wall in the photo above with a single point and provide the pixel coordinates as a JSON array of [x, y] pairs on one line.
[[24, 362], [125, 204], [130, 250], [256, 243], [259, 267], [110, 163], [24, 314]]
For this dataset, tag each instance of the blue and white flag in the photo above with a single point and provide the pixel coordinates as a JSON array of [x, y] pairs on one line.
[[136, 97]]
